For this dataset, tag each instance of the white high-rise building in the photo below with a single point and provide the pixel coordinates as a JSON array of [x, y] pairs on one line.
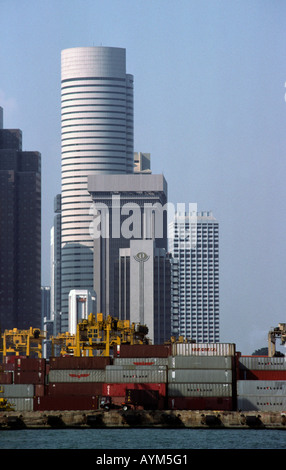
[[97, 138], [194, 244]]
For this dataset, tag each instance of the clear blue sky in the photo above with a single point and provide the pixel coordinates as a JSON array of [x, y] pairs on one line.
[[209, 106]]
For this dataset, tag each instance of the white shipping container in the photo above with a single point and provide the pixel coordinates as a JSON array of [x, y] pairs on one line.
[[17, 391], [22, 404], [261, 403], [199, 390], [121, 374], [200, 362], [200, 376], [261, 387], [76, 376], [141, 361], [134, 367], [262, 363], [203, 349]]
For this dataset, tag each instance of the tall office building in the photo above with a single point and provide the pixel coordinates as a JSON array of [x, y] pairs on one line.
[[20, 232], [97, 138], [194, 243], [126, 208], [142, 288]]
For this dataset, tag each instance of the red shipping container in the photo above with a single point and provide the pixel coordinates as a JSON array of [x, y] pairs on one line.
[[31, 364], [40, 390], [65, 402], [11, 359], [71, 388], [120, 389], [9, 362], [205, 403], [72, 362], [246, 374], [144, 350], [29, 377], [158, 404], [6, 378]]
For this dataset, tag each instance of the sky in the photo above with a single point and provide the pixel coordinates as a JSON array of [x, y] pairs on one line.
[[209, 106]]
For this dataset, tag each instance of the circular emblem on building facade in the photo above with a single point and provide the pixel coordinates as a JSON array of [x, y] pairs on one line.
[[141, 256]]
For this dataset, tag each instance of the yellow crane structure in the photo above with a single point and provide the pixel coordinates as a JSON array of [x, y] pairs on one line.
[[274, 333], [100, 335], [23, 342], [95, 334]]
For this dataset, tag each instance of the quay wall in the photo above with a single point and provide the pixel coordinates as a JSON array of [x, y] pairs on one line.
[[141, 418]]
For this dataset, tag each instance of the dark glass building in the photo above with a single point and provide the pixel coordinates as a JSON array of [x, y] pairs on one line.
[[20, 233]]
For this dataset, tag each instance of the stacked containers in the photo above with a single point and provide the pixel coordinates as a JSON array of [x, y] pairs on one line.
[[139, 376], [200, 376], [22, 380], [74, 383], [20, 396], [261, 383]]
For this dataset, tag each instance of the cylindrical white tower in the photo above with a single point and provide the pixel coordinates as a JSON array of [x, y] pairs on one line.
[[97, 137]]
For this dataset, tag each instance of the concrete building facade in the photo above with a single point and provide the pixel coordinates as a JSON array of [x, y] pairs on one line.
[[194, 244], [97, 138], [127, 208], [143, 288]]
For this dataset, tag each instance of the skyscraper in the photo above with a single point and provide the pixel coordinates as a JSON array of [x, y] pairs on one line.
[[97, 138], [20, 233], [194, 243], [127, 207], [143, 288]]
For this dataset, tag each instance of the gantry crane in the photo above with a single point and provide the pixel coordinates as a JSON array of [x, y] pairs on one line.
[[100, 335], [23, 342], [279, 331]]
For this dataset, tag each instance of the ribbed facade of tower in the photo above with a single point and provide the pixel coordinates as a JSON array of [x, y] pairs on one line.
[[97, 138]]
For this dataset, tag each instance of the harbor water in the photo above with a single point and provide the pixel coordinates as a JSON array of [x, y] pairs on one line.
[[110, 439]]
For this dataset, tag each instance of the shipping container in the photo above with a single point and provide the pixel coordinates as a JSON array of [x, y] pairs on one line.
[[262, 363], [22, 404], [140, 400], [246, 374], [261, 403], [72, 388], [80, 363], [60, 403], [17, 391], [203, 349], [120, 389], [77, 376], [139, 361], [137, 374], [200, 376], [261, 387], [144, 350], [132, 367], [6, 377], [29, 364], [9, 362], [200, 362], [199, 390], [29, 377], [40, 390], [208, 403]]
